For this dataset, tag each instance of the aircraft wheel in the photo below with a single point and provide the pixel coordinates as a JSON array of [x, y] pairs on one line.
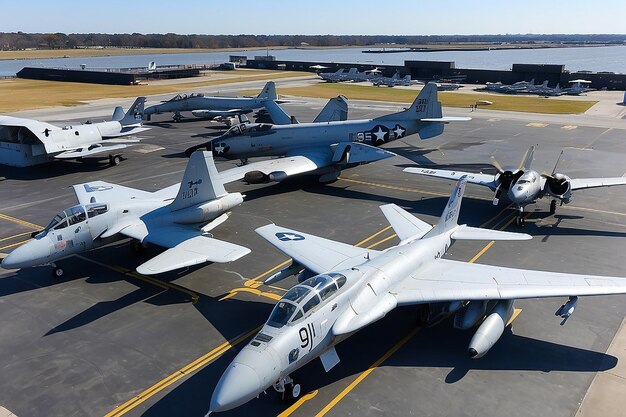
[[58, 272], [294, 392], [553, 207], [519, 221], [115, 160]]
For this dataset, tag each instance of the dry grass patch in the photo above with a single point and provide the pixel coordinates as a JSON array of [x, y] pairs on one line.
[[18, 94], [448, 99]]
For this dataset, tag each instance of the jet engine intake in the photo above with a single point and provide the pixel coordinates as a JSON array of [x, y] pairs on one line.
[[559, 185], [256, 177]]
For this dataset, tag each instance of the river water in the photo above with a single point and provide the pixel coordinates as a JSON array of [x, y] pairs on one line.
[[609, 58]]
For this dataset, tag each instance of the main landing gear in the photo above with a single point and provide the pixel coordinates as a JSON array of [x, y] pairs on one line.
[[177, 117], [553, 207], [115, 160], [288, 390]]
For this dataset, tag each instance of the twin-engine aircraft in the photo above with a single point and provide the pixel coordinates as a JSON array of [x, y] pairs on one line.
[[76, 141], [344, 288], [523, 185], [226, 109], [325, 149], [178, 217]]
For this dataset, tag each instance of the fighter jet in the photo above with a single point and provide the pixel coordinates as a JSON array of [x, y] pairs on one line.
[[44, 140], [324, 149], [226, 109], [353, 287], [178, 217], [523, 185], [393, 81]]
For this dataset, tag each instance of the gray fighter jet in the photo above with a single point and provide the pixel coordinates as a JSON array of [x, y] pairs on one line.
[[353, 287], [523, 185], [226, 109], [324, 149], [178, 217]]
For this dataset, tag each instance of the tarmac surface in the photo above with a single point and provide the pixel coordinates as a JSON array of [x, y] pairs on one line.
[[104, 340]]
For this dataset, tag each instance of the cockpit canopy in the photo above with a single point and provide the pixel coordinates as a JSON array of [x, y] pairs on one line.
[[304, 297], [244, 128], [75, 214]]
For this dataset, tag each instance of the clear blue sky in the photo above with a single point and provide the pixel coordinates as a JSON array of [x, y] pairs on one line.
[[314, 16]]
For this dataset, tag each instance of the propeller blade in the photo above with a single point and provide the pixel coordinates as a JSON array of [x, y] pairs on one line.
[[557, 162], [496, 164]]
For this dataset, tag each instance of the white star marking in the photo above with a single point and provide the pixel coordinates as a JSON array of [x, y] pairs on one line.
[[219, 149], [399, 131], [380, 134], [291, 236]]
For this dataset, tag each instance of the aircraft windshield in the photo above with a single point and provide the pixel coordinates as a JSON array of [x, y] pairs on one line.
[[281, 314], [66, 218]]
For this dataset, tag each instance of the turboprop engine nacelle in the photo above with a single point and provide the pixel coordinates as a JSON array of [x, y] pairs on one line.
[[559, 185], [207, 211], [490, 329]]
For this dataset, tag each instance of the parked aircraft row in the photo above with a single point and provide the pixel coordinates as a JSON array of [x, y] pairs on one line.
[[341, 288], [374, 76], [529, 87]]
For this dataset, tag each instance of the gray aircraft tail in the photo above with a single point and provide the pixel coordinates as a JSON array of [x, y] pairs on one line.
[[450, 214], [425, 107], [200, 182], [336, 110], [133, 115], [268, 92]]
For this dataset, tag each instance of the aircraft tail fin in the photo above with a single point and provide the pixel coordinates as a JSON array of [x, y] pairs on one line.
[[268, 92], [450, 214], [118, 114], [335, 110], [134, 114], [277, 114], [200, 182], [527, 160], [404, 223]]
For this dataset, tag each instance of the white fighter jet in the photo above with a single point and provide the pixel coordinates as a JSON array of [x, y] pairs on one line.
[[178, 217], [353, 287], [523, 185], [41, 139]]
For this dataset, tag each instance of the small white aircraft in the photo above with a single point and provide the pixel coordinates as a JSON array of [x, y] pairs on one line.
[[523, 185], [352, 287], [75, 141], [178, 217]]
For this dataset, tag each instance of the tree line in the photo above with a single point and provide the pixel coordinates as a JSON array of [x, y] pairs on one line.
[[20, 40]]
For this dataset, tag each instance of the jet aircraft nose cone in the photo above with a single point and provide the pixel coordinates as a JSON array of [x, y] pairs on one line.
[[239, 384], [29, 254]]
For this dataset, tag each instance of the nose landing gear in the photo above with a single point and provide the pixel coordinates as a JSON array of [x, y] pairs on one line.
[[287, 389]]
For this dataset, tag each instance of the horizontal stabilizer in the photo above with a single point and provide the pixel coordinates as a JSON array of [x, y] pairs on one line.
[[193, 251], [405, 224], [476, 233]]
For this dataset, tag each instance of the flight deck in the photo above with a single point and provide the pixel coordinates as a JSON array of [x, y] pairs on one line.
[[105, 340]]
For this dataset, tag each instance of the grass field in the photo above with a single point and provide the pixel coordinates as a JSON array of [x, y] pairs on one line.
[[18, 94], [448, 99]]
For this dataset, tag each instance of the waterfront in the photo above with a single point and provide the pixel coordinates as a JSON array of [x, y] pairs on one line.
[[610, 58]]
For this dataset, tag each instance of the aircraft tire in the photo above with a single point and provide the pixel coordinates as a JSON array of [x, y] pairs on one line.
[[58, 272], [294, 392], [115, 160]]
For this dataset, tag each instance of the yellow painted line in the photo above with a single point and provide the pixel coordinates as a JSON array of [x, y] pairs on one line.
[[254, 291], [14, 236], [367, 239], [381, 241], [14, 244], [186, 370], [482, 251], [516, 312], [617, 213], [20, 221], [252, 282], [298, 403], [394, 187], [161, 284], [369, 370]]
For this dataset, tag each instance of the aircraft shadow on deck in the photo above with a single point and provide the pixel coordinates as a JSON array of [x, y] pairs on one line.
[[53, 169]]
